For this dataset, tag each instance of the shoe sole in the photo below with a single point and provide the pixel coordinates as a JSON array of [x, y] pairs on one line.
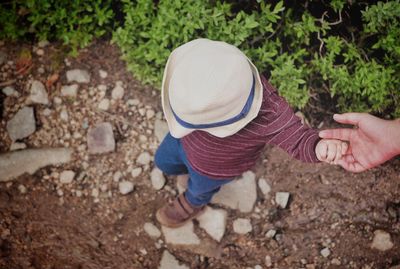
[[160, 219]]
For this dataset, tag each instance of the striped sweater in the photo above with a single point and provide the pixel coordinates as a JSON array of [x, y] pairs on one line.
[[230, 156]]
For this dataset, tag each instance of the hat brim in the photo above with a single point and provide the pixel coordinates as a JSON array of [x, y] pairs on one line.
[[178, 131]]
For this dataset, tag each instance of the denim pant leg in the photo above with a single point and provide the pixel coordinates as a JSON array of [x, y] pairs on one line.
[[201, 188], [168, 158]]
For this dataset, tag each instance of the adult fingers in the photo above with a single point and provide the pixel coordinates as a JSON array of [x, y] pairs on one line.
[[349, 118], [351, 166], [341, 134]]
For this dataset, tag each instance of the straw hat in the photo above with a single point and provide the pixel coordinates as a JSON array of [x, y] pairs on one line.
[[210, 86]]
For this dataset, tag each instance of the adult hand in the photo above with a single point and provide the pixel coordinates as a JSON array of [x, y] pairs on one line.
[[372, 142]]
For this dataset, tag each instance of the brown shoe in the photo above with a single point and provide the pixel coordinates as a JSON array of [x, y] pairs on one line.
[[177, 212]]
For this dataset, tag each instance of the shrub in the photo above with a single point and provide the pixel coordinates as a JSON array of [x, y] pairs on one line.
[[74, 22]]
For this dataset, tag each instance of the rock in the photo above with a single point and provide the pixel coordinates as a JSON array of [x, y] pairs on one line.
[[69, 90], [271, 233], [268, 261], [104, 104], [78, 75], [118, 91], [14, 164], [17, 146], [213, 221], [10, 91], [242, 226], [133, 102], [170, 262], [95, 192], [38, 93], [336, 261], [150, 114], [67, 176], [157, 179], [381, 241], [57, 100], [43, 43], [258, 266], [183, 235], [102, 87], [117, 176], [22, 189], [136, 172], [125, 187], [152, 230], [325, 252], [144, 158], [64, 115], [282, 199], [46, 112], [264, 186], [40, 52], [100, 138], [160, 129], [239, 194], [103, 74], [22, 124]]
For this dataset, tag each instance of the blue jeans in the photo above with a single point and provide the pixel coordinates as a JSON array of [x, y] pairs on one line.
[[171, 159]]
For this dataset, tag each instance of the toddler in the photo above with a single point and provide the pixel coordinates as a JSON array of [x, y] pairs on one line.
[[220, 114]]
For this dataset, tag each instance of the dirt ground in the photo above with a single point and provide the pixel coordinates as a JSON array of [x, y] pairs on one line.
[[50, 226]]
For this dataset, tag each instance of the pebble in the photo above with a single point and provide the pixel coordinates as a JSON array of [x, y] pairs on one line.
[[133, 102], [117, 176], [381, 241], [47, 112], [10, 91], [152, 230], [102, 73], [170, 262], [100, 138], [78, 75], [22, 125], [271, 233], [325, 252], [69, 90], [282, 199], [40, 52], [17, 146], [268, 261], [95, 192], [144, 158], [102, 87], [136, 172], [257, 266], [41, 70], [22, 189], [336, 261], [118, 91], [57, 100], [242, 226], [125, 187], [64, 115], [67, 176], [157, 179], [38, 93], [264, 186], [43, 43], [213, 221], [150, 114], [104, 104]]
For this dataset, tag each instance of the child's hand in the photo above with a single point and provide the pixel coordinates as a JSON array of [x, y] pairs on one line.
[[330, 150]]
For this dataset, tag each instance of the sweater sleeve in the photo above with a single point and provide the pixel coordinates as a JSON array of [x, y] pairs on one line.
[[286, 131]]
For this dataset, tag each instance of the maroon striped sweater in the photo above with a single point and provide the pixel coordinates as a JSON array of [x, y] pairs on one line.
[[230, 156]]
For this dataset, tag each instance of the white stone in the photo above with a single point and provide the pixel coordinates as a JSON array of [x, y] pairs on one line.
[[104, 104], [67, 176], [242, 226], [133, 102], [268, 261], [78, 75], [117, 176], [57, 100], [381, 241], [100, 138], [47, 112], [22, 125], [325, 252], [43, 43], [22, 189], [282, 199], [144, 158], [10, 91], [16, 163], [152, 230], [136, 172], [150, 114], [40, 52], [17, 146], [64, 115], [157, 178], [38, 93], [170, 262], [264, 186], [69, 90], [183, 235], [160, 129], [125, 187], [239, 194], [118, 92], [103, 74], [257, 266], [271, 233], [102, 87], [213, 221], [95, 192]]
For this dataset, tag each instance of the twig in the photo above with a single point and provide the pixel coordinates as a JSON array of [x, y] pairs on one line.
[[321, 20], [7, 83]]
